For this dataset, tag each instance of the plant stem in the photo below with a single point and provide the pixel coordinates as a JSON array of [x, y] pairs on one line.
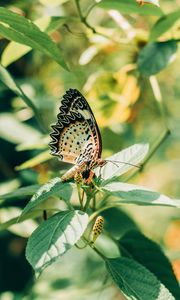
[[154, 148], [97, 212], [158, 97], [94, 248], [83, 18], [162, 138], [90, 9], [79, 196], [87, 203]]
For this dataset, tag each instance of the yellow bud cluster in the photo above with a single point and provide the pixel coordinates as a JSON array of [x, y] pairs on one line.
[[97, 228], [78, 178]]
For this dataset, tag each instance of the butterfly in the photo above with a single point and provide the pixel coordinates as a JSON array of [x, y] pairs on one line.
[[76, 138]]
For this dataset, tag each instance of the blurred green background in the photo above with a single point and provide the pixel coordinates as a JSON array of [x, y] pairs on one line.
[[128, 109]]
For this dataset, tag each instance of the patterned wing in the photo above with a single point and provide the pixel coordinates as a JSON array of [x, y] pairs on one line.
[[76, 137]]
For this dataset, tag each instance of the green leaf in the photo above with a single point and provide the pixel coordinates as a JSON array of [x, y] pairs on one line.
[[135, 281], [150, 255], [21, 30], [21, 192], [9, 214], [53, 187], [14, 131], [57, 21], [117, 222], [55, 237], [14, 50], [130, 193], [119, 161], [38, 159], [164, 24], [8, 80], [156, 56], [130, 7]]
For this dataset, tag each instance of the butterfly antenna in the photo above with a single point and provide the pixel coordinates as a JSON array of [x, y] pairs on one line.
[[116, 162]]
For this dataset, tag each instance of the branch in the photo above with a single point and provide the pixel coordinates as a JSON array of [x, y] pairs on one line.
[[84, 18]]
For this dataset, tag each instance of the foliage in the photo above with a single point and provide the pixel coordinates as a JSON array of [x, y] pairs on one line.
[[120, 53]]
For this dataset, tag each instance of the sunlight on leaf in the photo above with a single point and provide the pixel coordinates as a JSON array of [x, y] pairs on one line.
[[142, 2], [7, 187], [54, 237], [24, 230], [14, 131], [88, 55], [130, 193], [164, 24], [21, 192], [135, 281], [21, 30], [38, 159], [130, 6], [14, 50], [133, 155], [54, 187]]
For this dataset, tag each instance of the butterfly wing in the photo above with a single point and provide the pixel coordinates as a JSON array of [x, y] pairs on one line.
[[75, 137]]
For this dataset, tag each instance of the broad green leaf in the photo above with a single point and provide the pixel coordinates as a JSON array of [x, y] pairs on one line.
[[8, 80], [14, 50], [130, 7], [53, 187], [117, 164], [135, 281], [14, 131], [42, 157], [55, 237], [164, 24], [21, 192], [21, 30], [156, 56], [117, 222], [130, 193], [150, 255]]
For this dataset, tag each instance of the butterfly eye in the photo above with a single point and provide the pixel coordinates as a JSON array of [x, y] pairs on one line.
[[97, 228]]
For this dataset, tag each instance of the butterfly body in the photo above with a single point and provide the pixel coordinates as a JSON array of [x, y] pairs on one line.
[[76, 138]]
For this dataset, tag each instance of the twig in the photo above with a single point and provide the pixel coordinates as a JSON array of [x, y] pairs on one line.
[[94, 248], [83, 18], [79, 195], [90, 9], [155, 147], [158, 97]]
